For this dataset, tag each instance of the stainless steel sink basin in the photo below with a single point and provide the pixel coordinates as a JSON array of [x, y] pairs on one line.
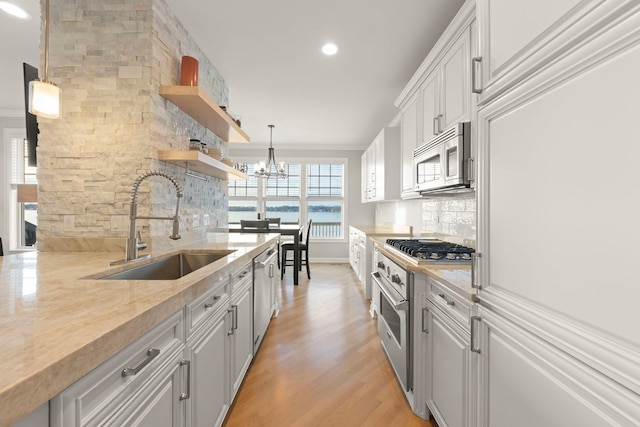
[[171, 267]]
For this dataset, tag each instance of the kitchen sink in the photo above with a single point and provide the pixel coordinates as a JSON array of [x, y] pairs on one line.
[[171, 267]]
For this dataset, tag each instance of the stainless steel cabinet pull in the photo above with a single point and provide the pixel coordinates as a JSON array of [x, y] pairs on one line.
[[152, 353], [474, 74], [212, 303], [435, 130], [424, 317], [471, 170], [474, 319], [185, 396], [270, 270], [474, 260], [234, 319], [389, 334]]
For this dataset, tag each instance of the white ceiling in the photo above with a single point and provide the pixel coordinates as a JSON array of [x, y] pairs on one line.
[[269, 54]]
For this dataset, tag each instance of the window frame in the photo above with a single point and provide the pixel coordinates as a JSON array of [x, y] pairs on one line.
[[304, 198]]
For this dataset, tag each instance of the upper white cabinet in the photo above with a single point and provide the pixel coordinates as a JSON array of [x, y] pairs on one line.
[[380, 163], [440, 92], [446, 92], [409, 142], [518, 37]]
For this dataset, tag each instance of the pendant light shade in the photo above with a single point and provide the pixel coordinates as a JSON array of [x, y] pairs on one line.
[[44, 96], [264, 170], [44, 99]]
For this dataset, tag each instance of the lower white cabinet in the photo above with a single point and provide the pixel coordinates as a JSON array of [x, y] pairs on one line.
[[240, 335], [449, 370], [160, 403], [206, 352], [141, 384], [528, 382]]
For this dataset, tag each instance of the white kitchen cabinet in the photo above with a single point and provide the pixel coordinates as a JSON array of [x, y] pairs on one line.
[[446, 92], [161, 403], [146, 370], [207, 352], [409, 142], [240, 332], [360, 258], [440, 92], [449, 370], [517, 38], [382, 160], [527, 382], [568, 200]]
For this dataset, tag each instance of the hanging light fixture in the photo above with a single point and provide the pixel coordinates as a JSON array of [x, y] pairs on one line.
[[44, 96], [265, 170]]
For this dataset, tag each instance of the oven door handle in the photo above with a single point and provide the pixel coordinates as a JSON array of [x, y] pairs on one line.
[[402, 304]]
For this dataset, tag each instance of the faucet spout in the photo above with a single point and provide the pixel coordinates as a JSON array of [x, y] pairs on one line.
[[132, 241]]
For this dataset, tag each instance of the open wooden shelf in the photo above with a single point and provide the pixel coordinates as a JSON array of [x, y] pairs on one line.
[[197, 104], [202, 163]]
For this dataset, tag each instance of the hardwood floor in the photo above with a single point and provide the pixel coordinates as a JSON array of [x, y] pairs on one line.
[[321, 362]]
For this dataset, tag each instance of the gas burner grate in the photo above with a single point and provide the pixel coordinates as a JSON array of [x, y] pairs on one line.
[[432, 249]]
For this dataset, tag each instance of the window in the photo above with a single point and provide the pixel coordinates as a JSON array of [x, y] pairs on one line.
[[20, 229], [325, 198], [311, 191]]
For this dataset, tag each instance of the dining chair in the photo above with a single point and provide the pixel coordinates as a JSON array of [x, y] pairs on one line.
[[302, 247], [273, 222], [251, 224]]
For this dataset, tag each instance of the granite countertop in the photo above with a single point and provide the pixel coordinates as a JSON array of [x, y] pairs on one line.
[[456, 276], [57, 325]]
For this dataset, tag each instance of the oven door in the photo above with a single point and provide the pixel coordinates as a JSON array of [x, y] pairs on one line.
[[428, 169], [393, 329]]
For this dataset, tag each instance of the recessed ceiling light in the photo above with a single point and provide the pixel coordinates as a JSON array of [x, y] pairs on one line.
[[14, 10], [329, 49]]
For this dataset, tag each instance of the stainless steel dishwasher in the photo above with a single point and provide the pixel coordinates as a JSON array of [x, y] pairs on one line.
[[264, 273]]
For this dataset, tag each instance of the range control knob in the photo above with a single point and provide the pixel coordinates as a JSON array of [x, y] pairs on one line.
[[381, 264], [396, 279]]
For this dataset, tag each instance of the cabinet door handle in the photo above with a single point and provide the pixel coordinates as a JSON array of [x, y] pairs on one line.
[[474, 74], [271, 270], [212, 303], [435, 130], [185, 396], [474, 260], [474, 320], [152, 353], [425, 329], [234, 319]]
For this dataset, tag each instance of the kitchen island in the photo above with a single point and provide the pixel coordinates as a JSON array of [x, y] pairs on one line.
[[57, 324]]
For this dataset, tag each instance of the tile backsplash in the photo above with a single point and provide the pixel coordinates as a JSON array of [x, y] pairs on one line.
[[450, 216]]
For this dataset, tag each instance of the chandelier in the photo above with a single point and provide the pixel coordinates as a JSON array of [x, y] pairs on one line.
[[265, 170]]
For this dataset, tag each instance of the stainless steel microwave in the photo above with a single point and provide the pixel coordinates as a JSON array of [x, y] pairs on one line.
[[443, 164]]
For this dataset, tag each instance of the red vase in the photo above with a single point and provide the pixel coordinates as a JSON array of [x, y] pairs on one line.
[[189, 71]]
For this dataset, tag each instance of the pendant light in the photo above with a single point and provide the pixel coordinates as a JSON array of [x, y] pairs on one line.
[[264, 170], [44, 96]]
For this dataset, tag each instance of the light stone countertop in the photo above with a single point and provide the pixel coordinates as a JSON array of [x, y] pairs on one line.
[[384, 230], [456, 276], [57, 325]]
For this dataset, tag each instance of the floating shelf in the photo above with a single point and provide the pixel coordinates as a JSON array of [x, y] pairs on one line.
[[202, 163], [197, 104]]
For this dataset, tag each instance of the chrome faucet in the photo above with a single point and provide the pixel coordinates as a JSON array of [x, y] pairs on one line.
[[133, 242]]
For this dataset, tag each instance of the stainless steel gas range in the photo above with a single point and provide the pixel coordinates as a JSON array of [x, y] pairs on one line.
[[395, 295]]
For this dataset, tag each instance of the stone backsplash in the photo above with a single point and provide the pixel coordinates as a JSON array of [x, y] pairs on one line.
[[109, 58]]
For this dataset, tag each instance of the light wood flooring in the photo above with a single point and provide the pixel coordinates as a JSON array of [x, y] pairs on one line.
[[321, 362]]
